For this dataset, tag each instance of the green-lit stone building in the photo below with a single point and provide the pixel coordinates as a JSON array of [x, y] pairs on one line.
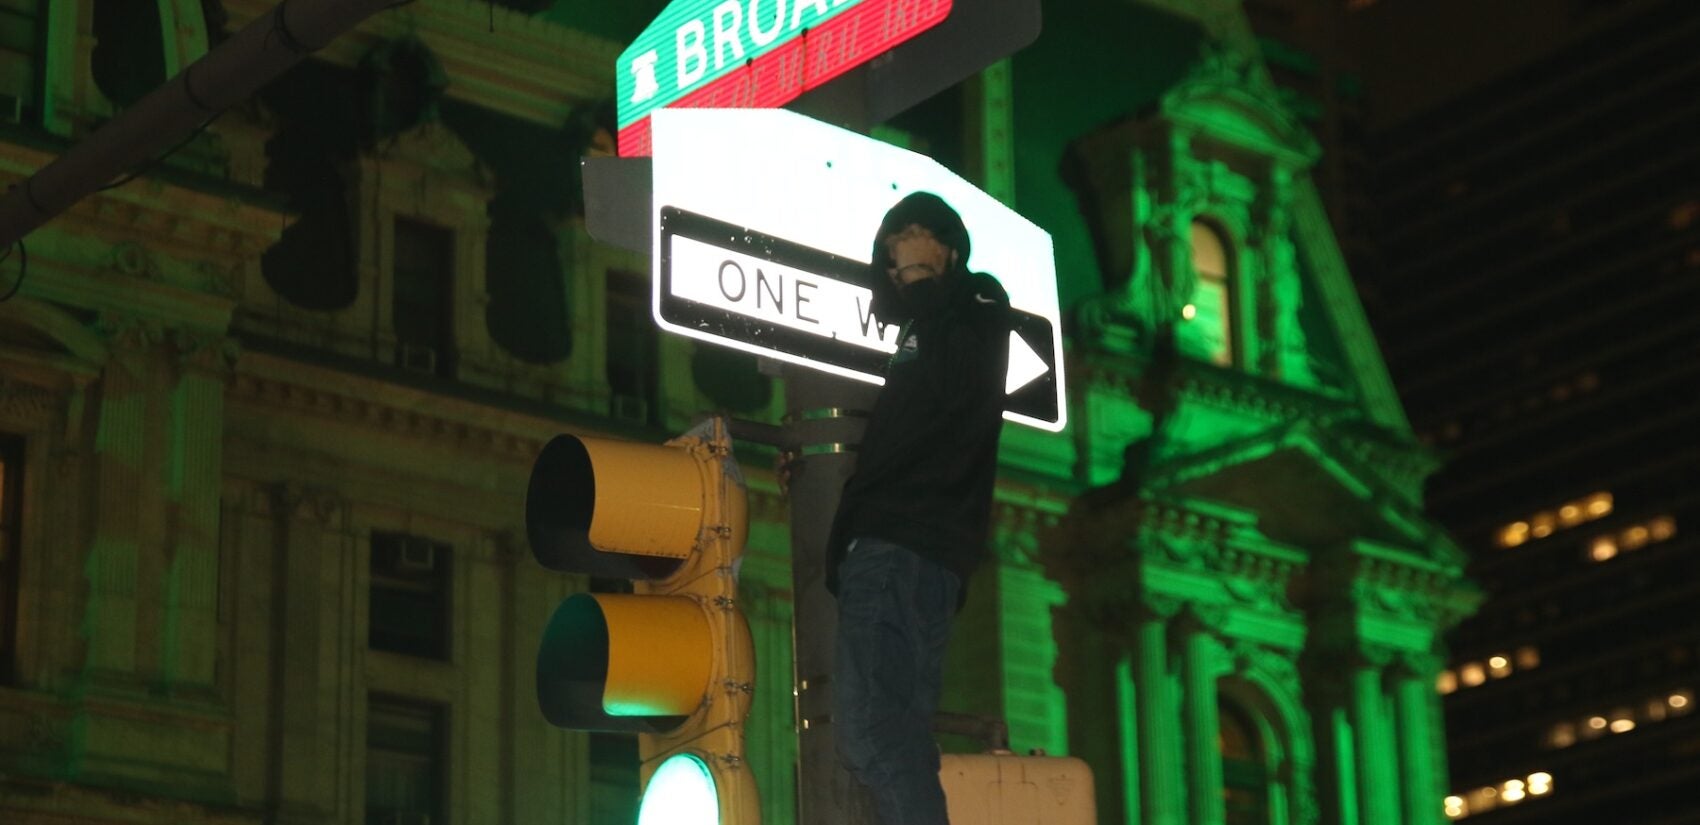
[[267, 413]]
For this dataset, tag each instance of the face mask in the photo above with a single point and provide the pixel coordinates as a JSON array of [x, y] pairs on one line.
[[924, 297]]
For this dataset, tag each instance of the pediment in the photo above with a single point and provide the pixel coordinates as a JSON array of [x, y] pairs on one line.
[[1225, 100], [1304, 488], [435, 146], [45, 330]]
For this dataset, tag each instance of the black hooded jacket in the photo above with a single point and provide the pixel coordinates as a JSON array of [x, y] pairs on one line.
[[928, 459]]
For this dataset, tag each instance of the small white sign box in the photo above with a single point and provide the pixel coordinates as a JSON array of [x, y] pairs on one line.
[[1005, 789], [764, 228]]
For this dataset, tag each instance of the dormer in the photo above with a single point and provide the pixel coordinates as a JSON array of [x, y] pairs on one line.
[[1205, 179]]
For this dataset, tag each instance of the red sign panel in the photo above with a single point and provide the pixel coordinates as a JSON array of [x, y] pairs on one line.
[[806, 61]]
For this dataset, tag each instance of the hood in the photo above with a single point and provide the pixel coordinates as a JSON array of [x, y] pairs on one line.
[[927, 210]]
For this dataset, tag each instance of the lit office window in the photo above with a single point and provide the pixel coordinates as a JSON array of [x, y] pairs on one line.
[[1497, 666], [1684, 215], [1212, 300], [1663, 528], [1633, 537], [1490, 797], [1622, 720], [1528, 657], [1547, 522], [1514, 534], [1542, 525], [1654, 709]]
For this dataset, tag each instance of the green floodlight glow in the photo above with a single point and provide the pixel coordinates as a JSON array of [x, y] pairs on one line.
[[681, 792]]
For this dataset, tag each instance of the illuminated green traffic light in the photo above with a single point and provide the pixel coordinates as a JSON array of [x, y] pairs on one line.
[[681, 792]]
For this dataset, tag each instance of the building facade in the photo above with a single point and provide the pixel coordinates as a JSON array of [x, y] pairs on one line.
[[269, 408]]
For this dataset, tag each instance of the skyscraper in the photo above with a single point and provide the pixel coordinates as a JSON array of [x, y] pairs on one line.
[[1535, 290]]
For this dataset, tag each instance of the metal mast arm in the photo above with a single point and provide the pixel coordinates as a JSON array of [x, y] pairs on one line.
[[224, 76]]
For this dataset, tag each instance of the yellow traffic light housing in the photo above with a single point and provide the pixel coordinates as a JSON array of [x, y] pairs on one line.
[[672, 661]]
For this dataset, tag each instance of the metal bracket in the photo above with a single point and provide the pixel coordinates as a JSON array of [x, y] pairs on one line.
[[619, 201]]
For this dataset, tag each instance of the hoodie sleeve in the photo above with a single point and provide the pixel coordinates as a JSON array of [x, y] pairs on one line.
[[977, 342]]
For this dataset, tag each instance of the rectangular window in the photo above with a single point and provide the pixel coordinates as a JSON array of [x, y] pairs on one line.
[[409, 596], [424, 297], [11, 486], [614, 783], [20, 58], [633, 349], [406, 762]]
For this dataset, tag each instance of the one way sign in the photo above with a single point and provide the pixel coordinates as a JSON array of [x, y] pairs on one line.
[[764, 223]]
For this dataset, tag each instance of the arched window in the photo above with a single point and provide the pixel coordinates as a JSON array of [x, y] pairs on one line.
[[1211, 309], [128, 60], [1245, 772], [21, 52]]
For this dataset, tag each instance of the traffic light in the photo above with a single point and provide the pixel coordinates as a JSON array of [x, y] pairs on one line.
[[672, 662]]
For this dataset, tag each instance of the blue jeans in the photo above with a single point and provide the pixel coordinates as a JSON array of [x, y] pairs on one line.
[[894, 614]]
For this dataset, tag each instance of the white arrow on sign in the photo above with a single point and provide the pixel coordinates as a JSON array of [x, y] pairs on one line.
[[1025, 365]]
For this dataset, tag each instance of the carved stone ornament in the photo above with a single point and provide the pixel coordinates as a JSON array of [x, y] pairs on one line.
[[129, 333], [293, 500], [206, 351], [26, 403], [132, 259], [436, 147], [1250, 656]]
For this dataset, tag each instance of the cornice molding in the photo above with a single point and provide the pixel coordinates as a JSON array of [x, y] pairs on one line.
[[393, 417], [527, 67], [151, 216], [27, 404]]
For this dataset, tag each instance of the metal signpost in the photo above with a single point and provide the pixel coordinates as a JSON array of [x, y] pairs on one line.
[[738, 265], [763, 224]]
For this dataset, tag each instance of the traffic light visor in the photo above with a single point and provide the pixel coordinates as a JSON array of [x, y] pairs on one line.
[[614, 662], [615, 509]]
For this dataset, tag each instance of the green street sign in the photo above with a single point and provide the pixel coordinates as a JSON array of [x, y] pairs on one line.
[[754, 54]]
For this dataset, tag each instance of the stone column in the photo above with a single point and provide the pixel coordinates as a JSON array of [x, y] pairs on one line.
[[1329, 697], [1377, 748], [1162, 783], [124, 493], [193, 486], [1127, 729], [1413, 692], [1199, 655], [302, 792]]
